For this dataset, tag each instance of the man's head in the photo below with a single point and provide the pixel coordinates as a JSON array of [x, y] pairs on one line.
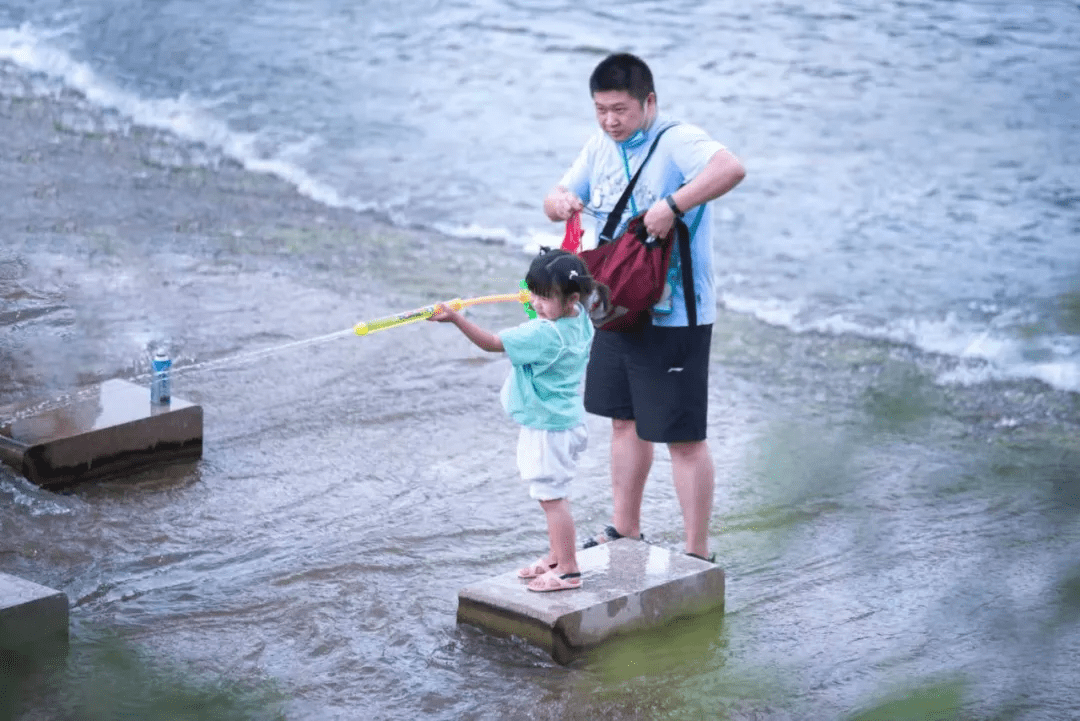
[[622, 91], [623, 71]]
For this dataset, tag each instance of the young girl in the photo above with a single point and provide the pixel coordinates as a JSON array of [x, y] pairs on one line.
[[543, 395]]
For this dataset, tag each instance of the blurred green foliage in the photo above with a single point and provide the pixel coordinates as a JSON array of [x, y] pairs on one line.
[[937, 701], [674, 672], [106, 678]]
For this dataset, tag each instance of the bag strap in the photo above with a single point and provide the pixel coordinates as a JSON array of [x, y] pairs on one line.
[[616, 214], [687, 262], [685, 235]]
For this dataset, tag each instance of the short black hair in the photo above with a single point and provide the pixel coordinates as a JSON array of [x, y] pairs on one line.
[[558, 271], [622, 71]]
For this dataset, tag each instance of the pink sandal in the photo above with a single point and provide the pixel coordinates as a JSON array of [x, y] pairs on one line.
[[539, 568], [552, 581]]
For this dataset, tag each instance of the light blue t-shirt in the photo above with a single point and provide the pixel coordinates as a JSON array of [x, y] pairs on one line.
[[544, 388], [600, 174]]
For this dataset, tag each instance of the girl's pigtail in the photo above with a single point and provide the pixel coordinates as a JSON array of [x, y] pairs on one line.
[[567, 273], [598, 300]]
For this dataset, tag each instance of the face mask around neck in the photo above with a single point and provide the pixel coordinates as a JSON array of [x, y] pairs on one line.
[[634, 141]]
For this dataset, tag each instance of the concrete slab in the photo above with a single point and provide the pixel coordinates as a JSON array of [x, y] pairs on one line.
[[111, 429], [627, 586], [33, 619]]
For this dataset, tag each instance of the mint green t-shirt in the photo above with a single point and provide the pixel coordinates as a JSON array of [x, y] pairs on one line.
[[544, 388]]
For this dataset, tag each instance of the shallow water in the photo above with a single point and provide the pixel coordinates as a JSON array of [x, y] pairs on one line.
[[888, 537], [913, 166], [878, 533]]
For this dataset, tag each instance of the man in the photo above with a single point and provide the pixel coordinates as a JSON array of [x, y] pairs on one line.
[[653, 384]]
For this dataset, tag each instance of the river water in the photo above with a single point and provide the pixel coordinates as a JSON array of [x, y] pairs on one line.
[[894, 405]]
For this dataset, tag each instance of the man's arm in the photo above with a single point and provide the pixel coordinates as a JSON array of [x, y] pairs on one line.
[[566, 198], [722, 173]]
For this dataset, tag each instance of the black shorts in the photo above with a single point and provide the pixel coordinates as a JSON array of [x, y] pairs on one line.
[[657, 377]]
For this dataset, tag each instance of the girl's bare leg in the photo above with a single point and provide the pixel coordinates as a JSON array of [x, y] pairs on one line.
[[561, 535]]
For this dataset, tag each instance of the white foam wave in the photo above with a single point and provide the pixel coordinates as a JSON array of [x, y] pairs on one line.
[[529, 241], [987, 353], [32, 50], [36, 501], [184, 117], [1061, 375], [473, 230]]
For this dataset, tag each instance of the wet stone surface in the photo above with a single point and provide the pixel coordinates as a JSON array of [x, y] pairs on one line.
[[108, 429], [627, 586], [33, 618]]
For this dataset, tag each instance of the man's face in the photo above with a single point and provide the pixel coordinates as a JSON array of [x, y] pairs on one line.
[[620, 115]]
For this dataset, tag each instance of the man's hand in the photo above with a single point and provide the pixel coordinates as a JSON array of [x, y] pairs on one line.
[[722, 173], [659, 219], [560, 204]]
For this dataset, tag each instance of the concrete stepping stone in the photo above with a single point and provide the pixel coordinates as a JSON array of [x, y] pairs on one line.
[[33, 619], [109, 429], [627, 586]]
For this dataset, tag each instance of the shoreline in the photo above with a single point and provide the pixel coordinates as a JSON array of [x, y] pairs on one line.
[[94, 199], [88, 206], [363, 478]]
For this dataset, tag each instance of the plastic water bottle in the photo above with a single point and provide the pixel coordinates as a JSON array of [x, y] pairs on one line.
[[159, 384]]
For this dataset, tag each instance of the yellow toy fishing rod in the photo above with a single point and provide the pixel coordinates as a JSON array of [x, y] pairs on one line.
[[392, 321]]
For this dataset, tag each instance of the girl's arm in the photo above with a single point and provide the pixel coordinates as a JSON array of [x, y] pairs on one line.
[[483, 339]]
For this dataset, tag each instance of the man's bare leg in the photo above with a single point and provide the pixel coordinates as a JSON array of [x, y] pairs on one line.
[[694, 476], [631, 459]]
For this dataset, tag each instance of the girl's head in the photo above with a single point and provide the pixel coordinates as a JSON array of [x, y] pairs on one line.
[[558, 281]]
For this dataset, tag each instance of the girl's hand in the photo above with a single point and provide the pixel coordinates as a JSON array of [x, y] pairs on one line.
[[443, 314], [480, 337]]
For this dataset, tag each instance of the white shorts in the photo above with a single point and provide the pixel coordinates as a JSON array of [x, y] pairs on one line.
[[547, 460]]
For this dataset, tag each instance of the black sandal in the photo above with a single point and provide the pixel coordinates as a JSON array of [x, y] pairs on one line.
[[606, 536]]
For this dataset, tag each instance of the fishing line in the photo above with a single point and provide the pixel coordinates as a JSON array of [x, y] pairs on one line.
[[253, 355], [522, 296], [87, 393]]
